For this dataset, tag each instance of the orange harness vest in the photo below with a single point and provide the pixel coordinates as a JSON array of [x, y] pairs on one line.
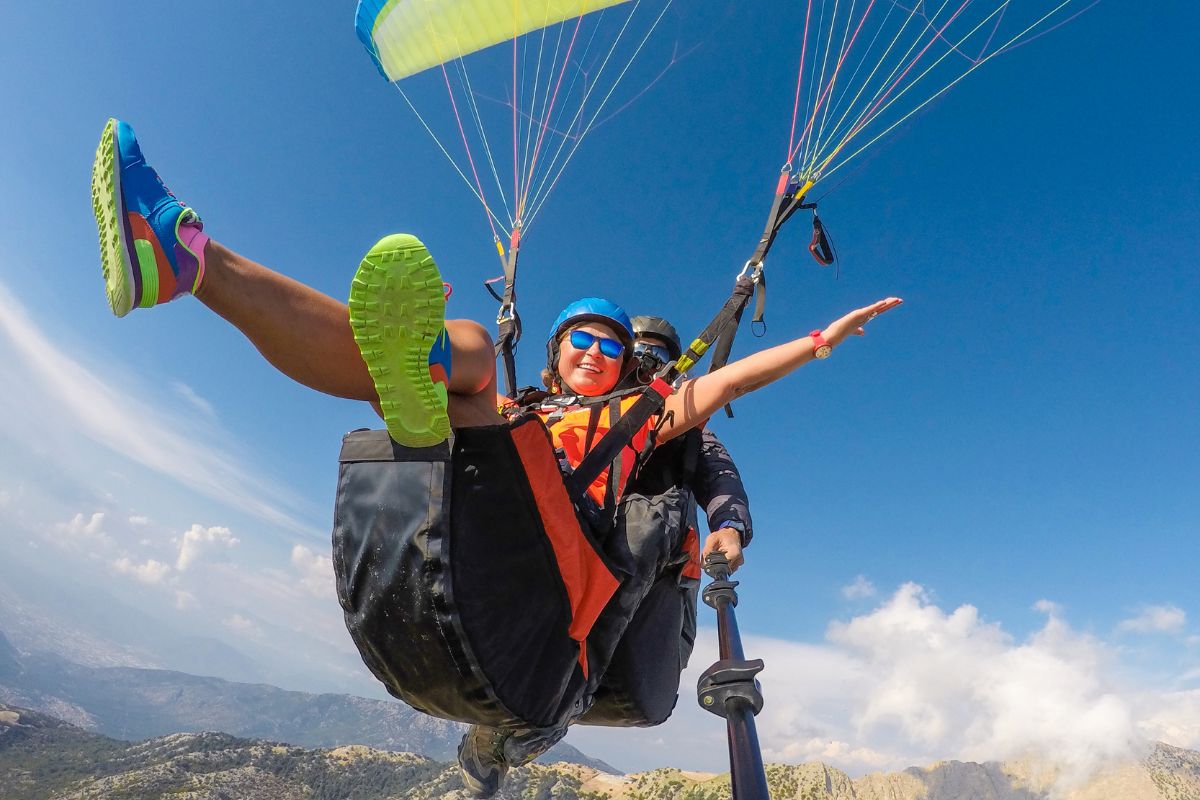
[[570, 432]]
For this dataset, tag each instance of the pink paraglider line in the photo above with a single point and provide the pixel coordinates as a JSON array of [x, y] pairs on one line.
[[515, 103], [799, 80], [832, 80], [545, 124], [1054, 27], [467, 146], [865, 118]]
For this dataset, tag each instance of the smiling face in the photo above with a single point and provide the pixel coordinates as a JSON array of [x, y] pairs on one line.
[[589, 372]]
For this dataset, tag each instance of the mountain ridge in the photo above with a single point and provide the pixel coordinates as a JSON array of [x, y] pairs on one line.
[[42, 758], [134, 703]]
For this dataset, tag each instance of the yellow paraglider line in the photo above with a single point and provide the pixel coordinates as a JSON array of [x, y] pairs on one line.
[[562, 108], [821, 140], [600, 107], [824, 172], [543, 112], [833, 79], [799, 80], [454, 164], [545, 124], [866, 118], [469, 92], [492, 219], [814, 151], [820, 78], [515, 103], [467, 147], [537, 197], [535, 92], [844, 52]]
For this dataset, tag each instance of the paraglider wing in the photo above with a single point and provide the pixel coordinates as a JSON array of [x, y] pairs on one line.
[[408, 36]]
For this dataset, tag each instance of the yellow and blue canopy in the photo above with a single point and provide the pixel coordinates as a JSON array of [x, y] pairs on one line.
[[405, 37]]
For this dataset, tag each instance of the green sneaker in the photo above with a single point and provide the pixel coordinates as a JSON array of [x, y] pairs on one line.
[[397, 311]]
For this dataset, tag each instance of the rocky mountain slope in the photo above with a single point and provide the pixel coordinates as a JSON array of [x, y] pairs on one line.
[[42, 758], [133, 704]]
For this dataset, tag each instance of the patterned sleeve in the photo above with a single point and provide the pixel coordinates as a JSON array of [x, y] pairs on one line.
[[719, 490]]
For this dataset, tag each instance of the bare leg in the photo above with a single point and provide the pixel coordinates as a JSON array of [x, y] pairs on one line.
[[306, 335], [303, 333]]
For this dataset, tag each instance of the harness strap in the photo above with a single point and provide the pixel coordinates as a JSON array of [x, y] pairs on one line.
[[509, 333], [593, 423], [733, 310], [787, 202], [507, 320], [607, 450], [692, 441], [612, 485]]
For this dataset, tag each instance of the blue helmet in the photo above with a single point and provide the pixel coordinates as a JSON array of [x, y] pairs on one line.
[[589, 309], [594, 309]]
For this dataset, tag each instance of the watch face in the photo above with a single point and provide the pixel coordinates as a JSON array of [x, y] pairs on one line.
[[823, 351]]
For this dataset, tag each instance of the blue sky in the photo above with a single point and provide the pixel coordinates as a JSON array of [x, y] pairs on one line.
[[1008, 462]]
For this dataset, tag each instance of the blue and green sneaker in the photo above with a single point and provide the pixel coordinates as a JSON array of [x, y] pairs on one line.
[[151, 245]]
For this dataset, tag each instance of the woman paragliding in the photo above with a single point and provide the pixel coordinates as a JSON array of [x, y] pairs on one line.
[[475, 588], [487, 560]]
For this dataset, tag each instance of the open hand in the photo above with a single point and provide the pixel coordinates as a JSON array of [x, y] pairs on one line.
[[852, 324]]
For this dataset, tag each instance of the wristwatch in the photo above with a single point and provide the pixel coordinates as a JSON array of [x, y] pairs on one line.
[[821, 348]]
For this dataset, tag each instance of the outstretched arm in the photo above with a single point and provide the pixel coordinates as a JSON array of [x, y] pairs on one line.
[[699, 398]]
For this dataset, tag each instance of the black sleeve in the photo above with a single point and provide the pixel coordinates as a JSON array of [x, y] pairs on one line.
[[718, 487]]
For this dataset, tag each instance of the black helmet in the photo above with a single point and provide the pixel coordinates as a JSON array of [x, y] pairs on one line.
[[659, 327]]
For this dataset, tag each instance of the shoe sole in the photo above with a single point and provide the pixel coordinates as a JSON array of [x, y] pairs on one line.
[[397, 309], [106, 205]]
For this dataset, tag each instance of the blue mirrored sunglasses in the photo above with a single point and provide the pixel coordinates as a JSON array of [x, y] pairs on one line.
[[609, 348], [657, 350]]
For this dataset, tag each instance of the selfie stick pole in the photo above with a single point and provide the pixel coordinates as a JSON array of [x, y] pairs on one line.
[[729, 689]]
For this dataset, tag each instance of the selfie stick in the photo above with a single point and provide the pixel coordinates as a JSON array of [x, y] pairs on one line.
[[729, 689]]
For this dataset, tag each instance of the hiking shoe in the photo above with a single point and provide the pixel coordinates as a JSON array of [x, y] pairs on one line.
[[525, 745], [397, 312], [481, 759], [151, 245]]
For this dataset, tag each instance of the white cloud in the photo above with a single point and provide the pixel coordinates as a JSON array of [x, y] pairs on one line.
[[1173, 717], [243, 625], [860, 588], [1048, 607], [830, 751], [316, 571], [82, 530], [150, 571], [199, 540], [953, 683], [138, 521], [1156, 619], [185, 600], [5, 498], [910, 683], [189, 394], [61, 400]]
